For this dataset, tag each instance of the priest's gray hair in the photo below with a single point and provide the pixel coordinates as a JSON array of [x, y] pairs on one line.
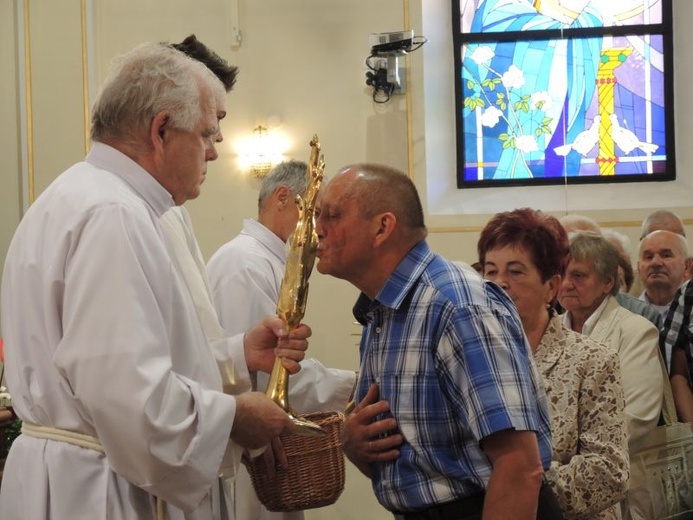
[[292, 174], [143, 82]]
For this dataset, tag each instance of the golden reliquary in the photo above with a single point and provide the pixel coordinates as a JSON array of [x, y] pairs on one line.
[[315, 474]]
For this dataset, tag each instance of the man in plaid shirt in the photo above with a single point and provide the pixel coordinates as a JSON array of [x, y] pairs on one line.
[[677, 333], [452, 420]]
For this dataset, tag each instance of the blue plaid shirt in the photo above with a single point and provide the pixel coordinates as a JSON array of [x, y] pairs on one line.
[[677, 331], [450, 356]]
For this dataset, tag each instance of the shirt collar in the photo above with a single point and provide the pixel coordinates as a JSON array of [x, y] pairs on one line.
[[589, 322], [405, 275], [663, 309], [107, 158], [361, 308], [266, 237]]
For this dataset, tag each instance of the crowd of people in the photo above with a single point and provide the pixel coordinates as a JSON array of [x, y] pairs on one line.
[[520, 388]]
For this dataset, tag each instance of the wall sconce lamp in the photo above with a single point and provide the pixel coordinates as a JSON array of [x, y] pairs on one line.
[[262, 150], [260, 153]]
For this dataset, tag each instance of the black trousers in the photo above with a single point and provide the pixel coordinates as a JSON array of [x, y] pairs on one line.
[[471, 508]]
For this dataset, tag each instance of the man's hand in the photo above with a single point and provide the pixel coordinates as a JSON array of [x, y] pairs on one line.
[[275, 457], [258, 420], [268, 339], [364, 441]]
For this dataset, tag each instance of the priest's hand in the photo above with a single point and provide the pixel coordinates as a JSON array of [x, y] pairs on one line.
[[258, 420], [275, 457], [268, 339], [370, 432]]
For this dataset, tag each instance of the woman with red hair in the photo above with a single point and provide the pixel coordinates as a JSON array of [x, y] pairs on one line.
[[525, 252]]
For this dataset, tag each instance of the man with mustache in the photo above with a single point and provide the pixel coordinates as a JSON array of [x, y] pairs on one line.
[[662, 266]]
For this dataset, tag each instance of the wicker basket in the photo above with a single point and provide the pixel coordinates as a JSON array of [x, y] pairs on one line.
[[315, 474]]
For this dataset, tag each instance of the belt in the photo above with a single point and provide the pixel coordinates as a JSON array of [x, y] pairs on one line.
[[83, 441], [469, 508], [56, 434]]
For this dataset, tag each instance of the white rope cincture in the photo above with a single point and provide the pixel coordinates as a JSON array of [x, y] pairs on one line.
[[83, 441], [56, 434]]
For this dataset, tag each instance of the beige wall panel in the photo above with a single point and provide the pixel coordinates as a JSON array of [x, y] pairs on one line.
[[303, 66], [57, 88], [10, 153]]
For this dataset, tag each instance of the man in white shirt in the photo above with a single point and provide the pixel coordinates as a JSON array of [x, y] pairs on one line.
[[245, 275], [121, 398]]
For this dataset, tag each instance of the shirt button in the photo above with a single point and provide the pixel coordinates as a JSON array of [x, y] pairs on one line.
[[377, 330]]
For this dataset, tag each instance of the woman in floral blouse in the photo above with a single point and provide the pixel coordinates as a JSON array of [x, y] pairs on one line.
[[525, 252]]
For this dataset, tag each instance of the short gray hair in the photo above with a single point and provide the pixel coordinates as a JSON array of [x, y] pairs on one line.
[[661, 219], [383, 188], [588, 246], [292, 174], [145, 81], [575, 223]]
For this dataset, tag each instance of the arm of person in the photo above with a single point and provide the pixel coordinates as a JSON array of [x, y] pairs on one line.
[[123, 334], [256, 350], [513, 489], [244, 292], [641, 372], [596, 477], [495, 386], [681, 386], [367, 440], [258, 421], [268, 339], [230, 355]]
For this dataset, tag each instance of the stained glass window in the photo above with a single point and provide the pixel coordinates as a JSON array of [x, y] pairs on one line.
[[563, 91]]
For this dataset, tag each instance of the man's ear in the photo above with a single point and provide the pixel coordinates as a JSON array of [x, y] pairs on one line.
[[385, 225], [283, 195], [159, 128]]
